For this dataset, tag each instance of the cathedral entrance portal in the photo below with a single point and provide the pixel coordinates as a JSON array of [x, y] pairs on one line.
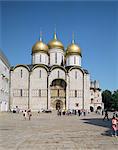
[[59, 104], [58, 94]]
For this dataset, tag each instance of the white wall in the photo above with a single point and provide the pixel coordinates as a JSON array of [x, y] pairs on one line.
[[18, 83], [75, 84], [87, 94], [38, 81], [4, 87]]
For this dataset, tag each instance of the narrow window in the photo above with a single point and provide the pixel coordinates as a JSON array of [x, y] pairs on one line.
[[40, 58], [21, 92], [62, 62], [39, 73], [58, 92], [75, 74], [39, 93], [55, 57], [74, 60], [21, 73], [75, 93], [58, 74]]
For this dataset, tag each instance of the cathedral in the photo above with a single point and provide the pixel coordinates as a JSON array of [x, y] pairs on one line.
[[54, 80]]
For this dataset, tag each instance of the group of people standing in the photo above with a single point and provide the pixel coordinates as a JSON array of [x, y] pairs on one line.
[[27, 114], [71, 112]]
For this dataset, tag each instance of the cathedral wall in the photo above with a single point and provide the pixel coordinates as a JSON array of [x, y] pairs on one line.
[[75, 89], [19, 87], [87, 93], [38, 89]]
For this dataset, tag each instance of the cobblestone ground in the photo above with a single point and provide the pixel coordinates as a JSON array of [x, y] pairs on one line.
[[51, 132]]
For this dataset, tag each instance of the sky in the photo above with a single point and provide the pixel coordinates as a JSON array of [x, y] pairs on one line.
[[95, 26]]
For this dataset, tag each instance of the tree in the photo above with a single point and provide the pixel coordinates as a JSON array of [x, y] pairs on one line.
[[107, 99], [115, 100]]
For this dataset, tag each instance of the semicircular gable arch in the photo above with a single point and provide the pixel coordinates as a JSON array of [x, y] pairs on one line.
[[75, 67], [25, 66], [42, 66], [55, 67]]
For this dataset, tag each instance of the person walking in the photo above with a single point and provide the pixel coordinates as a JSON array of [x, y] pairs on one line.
[[106, 115], [114, 126], [29, 114]]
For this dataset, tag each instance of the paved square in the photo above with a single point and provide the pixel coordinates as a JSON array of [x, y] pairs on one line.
[[51, 132]]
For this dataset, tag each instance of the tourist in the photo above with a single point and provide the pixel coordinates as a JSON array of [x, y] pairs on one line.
[[17, 109], [29, 114], [106, 115], [25, 114], [114, 127]]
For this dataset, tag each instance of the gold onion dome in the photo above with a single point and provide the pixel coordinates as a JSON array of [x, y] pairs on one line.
[[55, 43], [73, 49], [39, 46]]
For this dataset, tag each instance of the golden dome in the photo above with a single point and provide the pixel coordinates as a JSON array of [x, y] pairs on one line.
[[55, 43], [40, 47], [73, 49]]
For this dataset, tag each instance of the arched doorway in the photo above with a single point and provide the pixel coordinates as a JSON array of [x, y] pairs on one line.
[[58, 94], [59, 104]]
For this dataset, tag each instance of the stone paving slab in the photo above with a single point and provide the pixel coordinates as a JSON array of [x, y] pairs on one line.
[[51, 132]]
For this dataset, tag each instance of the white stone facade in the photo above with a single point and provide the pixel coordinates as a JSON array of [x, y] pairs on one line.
[[4, 82]]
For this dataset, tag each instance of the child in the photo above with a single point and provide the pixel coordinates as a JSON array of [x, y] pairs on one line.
[[114, 127]]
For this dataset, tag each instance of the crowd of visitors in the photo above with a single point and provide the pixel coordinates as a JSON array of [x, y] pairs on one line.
[[72, 112]]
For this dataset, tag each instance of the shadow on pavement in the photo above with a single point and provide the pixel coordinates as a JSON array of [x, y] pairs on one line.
[[100, 122]]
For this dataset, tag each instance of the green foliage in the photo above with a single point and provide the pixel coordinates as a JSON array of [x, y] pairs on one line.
[[110, 99]]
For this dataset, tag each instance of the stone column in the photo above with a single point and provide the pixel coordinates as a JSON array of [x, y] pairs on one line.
[[48, 92]]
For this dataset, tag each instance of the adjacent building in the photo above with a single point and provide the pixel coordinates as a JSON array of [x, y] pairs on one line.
[[4, 82], [54, 80]]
